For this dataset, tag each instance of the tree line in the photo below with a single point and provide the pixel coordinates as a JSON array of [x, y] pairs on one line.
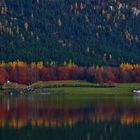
[[23, 73]]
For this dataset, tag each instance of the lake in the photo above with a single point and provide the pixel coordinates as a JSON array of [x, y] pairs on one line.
[[52, 117]]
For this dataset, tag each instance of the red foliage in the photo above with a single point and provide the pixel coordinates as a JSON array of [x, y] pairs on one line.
[[25, 74], [43, 73], [20, 75], [108, 75], [76, 73], [3, 76], [63, 73]]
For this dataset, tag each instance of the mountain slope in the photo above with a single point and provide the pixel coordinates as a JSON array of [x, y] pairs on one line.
[[86, 32]]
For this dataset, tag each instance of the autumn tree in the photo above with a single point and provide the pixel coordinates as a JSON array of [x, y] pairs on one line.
[[3, 76], [108, 75]]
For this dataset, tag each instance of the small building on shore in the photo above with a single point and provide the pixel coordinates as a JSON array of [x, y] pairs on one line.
[[136, 91]]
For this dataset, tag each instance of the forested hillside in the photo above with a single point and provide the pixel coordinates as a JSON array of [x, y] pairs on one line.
[[86, 32]]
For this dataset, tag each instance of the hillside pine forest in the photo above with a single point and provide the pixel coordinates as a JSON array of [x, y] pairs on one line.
[[85, 32]]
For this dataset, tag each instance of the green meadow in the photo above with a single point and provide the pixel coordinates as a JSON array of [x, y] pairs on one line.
[[76, 87]]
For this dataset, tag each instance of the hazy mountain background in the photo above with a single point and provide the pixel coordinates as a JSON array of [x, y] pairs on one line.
[[86, 32]]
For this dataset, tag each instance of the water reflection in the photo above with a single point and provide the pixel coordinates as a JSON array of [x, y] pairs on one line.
[[42, 117]]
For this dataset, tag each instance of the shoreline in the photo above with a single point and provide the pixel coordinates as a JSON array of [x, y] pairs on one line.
[[71, 87]]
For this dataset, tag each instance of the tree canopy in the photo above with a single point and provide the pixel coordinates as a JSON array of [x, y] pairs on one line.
[[86, 32]]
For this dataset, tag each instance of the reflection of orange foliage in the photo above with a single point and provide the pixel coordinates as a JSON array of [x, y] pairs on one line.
[[130, 119], [20, 113]]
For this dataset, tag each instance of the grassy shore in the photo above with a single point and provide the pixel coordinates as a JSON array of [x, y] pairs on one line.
[[76, 87], [118, 89], [92, 88]]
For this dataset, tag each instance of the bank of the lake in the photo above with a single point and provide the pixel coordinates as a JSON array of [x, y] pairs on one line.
[[72, 87]]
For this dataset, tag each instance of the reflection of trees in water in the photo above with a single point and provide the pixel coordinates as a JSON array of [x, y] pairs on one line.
[[20, 112], [85, 130]]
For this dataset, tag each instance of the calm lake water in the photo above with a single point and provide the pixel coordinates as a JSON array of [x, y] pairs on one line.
[[47, 117]]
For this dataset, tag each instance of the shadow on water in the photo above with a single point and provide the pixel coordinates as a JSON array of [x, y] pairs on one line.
[[47, 117]]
